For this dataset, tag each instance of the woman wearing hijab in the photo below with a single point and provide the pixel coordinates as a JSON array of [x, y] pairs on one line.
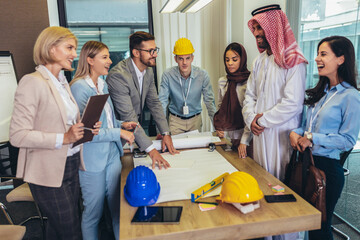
[[228, 119]]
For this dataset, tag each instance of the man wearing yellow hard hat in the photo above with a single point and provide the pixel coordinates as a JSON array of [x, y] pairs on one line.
[[181, 89]]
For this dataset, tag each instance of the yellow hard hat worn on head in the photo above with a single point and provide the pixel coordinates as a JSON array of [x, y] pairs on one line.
[[240, 187], [183, 46]]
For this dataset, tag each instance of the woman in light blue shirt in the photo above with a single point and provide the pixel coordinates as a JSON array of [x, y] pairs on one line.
[[332, 120], [101, 178]]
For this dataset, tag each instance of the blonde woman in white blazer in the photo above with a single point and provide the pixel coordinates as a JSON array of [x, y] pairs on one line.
[[44, 125]]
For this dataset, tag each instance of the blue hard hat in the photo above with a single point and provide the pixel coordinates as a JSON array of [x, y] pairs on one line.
[[142, 187]]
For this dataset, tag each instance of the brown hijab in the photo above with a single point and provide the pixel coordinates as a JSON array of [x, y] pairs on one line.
[[229, 116]]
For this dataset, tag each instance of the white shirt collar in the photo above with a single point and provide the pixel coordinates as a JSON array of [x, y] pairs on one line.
[[137, 71], [90, 82], [71, 108], [57, 81], [99, 90]]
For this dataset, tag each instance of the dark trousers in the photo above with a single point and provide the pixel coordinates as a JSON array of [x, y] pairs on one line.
[[61, 205], [334, 184]]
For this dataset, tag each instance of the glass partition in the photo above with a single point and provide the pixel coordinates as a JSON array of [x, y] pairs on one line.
[[323, 18], [110, 22], [348, 205]]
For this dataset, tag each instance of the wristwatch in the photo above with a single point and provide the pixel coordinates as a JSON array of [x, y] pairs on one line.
[[166, 134], [309, 136]]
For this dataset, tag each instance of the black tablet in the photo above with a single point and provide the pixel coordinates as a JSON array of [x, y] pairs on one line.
[[157, 215]]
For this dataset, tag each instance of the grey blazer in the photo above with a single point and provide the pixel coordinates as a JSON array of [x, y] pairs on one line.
[[129, 104]]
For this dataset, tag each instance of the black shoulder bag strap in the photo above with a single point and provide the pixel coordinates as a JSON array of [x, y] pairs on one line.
[[306, 158]]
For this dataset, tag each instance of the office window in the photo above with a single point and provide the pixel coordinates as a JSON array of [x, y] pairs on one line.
[[320, 19], [108, 21], [323, 18]]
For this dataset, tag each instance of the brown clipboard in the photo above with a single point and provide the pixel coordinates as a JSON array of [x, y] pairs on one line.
[[91, 115]]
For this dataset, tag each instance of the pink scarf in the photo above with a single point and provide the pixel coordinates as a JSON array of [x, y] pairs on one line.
[[280, 37]]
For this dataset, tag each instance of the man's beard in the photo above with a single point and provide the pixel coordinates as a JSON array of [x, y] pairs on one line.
[[148, 63], [264, 44]]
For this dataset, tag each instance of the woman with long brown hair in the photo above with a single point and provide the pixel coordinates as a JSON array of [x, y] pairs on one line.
[[332, 120], [101, 180]]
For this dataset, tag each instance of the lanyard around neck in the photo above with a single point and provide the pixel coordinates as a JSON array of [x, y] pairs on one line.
[[188, 90], [312, 118]]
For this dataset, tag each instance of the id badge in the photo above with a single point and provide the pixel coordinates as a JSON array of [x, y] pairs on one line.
[[185, 110]]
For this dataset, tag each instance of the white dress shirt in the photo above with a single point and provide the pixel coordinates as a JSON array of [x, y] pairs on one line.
[[140, 77], [71, 108]]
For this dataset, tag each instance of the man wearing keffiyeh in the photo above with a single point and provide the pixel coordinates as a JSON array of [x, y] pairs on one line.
[[275, 90]]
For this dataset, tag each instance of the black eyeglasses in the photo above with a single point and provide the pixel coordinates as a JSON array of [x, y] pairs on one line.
[[151, 51]]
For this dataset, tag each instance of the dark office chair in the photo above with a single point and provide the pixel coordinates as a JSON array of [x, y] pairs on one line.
[[19, 193], [22, 193], [343, 157], [11, 232], [8, 160]]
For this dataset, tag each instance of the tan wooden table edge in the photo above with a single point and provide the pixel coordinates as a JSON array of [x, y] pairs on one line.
[[308, 218]]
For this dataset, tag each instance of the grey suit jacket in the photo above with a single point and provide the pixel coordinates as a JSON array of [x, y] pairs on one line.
[[129, 104]]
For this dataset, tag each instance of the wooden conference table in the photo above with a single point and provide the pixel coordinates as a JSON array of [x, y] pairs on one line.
[[225, 222]]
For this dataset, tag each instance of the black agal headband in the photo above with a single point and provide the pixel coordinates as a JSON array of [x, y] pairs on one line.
[[265, 9]]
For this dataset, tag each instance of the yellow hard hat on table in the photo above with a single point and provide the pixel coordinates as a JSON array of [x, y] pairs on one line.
[[183, 46], [240, 187]]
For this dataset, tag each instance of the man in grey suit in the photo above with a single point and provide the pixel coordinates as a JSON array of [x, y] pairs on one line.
[[131, 86]]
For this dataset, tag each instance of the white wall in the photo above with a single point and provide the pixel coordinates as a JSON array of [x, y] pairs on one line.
[[53, 13]]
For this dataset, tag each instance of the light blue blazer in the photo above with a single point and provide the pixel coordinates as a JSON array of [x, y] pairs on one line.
[[96, 152]]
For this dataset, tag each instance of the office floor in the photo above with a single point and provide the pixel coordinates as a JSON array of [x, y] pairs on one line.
[[348, 205], [345, 229]]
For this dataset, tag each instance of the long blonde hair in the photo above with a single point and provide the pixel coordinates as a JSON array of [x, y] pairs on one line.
[[90, 49], [48, 38]]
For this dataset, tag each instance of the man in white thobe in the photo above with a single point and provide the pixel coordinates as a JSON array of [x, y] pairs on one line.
[[275, 91]]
